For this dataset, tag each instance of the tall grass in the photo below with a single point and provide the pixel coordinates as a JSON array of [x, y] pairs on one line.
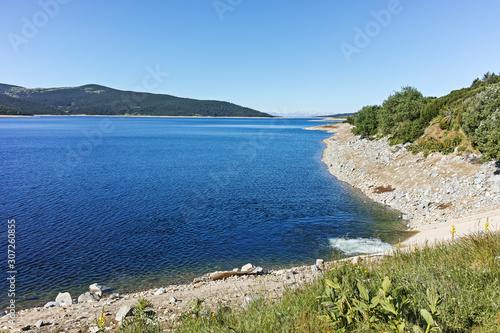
[[462, 277]]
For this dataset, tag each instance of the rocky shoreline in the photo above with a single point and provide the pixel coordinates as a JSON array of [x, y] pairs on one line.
[[427, 191], [218, 289]]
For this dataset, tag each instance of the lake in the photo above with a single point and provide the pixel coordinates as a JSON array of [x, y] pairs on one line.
[[139, 202]]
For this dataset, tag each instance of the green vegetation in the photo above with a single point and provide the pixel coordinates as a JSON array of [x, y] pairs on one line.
[[12, 112], [141, 321], [366, 121], [481, 121], [14, 106], [99, 100], [450, 287], [466, 120], [447, 288]]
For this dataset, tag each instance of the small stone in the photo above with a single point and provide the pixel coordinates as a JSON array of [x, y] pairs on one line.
[[320, 263], [98, 289], [354, 260], [249, 299], [407, 217], [172, 299], [123, 312], [93, 329], [115, 296], [160, 291], [51, 304], [88, 297], [257, 270], [64, 299], [314, 268], [39, 323], [236, 269], [247, 268]]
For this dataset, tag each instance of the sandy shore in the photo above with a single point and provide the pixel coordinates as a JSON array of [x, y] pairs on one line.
[[170, 301]]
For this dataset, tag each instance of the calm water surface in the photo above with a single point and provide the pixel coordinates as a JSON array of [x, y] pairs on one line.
[[137, 202]]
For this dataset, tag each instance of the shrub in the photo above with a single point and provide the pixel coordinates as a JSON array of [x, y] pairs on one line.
[[365, 120], [488, 136], [141, 321], [480, 121], [398, 108], [445, 123]]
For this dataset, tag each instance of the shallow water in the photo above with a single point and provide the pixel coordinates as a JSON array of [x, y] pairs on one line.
[[137, 202]]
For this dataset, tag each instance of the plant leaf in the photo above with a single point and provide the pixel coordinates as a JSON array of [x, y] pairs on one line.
[[332, 284], [386, 284], [363, 292], [417, 329], [427, 316]]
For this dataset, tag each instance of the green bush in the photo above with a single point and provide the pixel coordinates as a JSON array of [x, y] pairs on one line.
[[350, 120], [365, 120], [141, 321], [445, 123], [488, 136], [480, 121], [398, 108]]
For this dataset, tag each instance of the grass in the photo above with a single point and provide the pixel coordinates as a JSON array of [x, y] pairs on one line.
[[462, 278]]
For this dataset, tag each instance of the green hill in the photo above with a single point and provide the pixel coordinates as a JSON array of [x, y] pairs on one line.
[[99, 100], [23, 106], [465, 120]]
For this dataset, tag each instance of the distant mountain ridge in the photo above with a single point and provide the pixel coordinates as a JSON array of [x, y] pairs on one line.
[[93, 99]]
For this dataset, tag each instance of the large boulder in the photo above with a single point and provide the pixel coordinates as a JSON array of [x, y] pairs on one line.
[[64, 299]]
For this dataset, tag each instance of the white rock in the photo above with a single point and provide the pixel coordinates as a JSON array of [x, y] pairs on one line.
[[257, 270], [64, 299], [160, 291], [96, 289], [93, 329], [88, 297], [39, 323], [249, 299], [51, 304], [115, 296], [320, 263], [314, 268], [123, 312], [247, 268]]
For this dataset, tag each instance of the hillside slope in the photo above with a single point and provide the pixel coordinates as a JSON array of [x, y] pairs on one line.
[[466, 120], [100, 100]]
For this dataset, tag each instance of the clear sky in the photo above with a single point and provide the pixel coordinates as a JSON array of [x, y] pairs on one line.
[[292, 57]]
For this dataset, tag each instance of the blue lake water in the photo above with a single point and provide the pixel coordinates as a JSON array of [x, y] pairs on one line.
[[138, 202]]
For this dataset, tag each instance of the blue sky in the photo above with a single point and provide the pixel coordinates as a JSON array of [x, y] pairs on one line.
[[282, 57]]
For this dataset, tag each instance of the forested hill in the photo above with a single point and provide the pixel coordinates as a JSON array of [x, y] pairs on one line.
[[99, 100], [464, 121]]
